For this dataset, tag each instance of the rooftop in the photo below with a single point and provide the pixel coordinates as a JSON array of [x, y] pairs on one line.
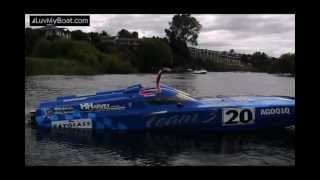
[[52, 27]]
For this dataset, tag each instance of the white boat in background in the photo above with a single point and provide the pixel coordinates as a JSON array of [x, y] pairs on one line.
[[201, 71]]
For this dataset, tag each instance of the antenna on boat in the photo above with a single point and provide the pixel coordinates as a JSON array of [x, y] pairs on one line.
[[158, 80]]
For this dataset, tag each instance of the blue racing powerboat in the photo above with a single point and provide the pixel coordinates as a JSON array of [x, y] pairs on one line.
[[163, 107]]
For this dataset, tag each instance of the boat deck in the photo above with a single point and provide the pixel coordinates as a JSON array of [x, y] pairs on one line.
[[246, 101]]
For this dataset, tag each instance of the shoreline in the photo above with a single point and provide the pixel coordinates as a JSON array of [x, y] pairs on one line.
[[144, 73], [60, 66]]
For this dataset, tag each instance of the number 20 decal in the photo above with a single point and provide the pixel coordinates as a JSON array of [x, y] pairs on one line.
[[238, 116]]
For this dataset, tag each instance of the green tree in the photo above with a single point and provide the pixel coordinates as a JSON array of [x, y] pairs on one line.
[[31, 38], [81, 51], [104, 33], [113, 63], [181, 54], [123, 33], [185, 28], [261, 61], [135, 35], [94, 37], [153, 54], [78, 35], [43, 48], [287, 63]]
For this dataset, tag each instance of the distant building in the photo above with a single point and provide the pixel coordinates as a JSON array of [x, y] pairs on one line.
[[51, 30], [230, 58], [121, 41]]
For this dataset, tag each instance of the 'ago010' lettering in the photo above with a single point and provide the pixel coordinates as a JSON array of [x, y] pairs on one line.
[[273, 111]]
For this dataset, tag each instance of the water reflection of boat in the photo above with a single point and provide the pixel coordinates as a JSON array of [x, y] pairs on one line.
[[163, 147]]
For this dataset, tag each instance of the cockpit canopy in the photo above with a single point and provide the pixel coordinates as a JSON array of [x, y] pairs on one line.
[[166, 95], [152, 96], [163, 94]]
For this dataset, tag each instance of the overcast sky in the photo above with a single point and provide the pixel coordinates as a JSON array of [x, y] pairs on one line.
[[272, 34]]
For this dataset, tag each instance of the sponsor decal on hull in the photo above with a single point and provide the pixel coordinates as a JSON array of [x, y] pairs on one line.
[[100, 107], [59, 110], [63, 110], [75, 123]]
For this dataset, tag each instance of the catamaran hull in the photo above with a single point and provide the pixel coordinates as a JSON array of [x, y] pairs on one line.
[[164, 108], [226, 119]]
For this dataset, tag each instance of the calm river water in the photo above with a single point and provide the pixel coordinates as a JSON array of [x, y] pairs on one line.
[[151, 148]]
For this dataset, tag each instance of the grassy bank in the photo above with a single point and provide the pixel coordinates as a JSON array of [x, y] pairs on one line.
[[55, 66], [62, 66], [109, 65]]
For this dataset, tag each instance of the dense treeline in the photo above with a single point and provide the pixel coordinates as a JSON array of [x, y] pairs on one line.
[[92, 53], [95, 56], [82, 53], [152, 55], [262, 62]]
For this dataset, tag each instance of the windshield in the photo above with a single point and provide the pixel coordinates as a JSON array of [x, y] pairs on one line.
[[181, 92], [184, 97], [161, 100]]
